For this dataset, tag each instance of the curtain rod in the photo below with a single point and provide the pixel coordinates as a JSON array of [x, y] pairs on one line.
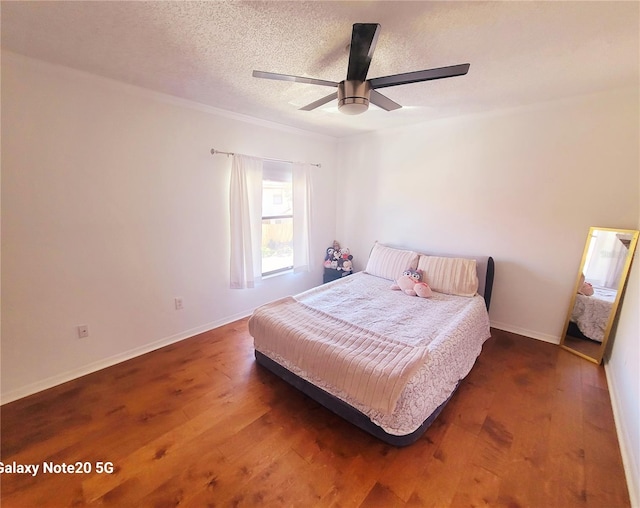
[[218, 152]]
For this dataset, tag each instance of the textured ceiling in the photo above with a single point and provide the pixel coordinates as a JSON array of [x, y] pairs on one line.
[[520, 52]]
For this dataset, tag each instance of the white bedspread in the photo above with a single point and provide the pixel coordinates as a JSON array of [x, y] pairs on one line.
[[591, 313], [372, 368], [449, 329]]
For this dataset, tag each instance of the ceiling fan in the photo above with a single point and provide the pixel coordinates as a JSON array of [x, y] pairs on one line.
[[355, 92]]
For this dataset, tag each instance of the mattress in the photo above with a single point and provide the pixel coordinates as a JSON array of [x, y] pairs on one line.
[[441, 337]]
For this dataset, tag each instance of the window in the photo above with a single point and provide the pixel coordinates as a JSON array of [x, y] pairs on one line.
[[277, 218], [264, 197]]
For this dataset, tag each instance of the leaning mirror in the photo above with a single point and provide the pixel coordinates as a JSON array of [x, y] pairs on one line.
[[598, 291]]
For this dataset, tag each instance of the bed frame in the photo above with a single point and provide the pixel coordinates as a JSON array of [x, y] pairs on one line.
[[485, 266]]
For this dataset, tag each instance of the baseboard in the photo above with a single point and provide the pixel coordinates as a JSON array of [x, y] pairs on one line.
[[527, 333], [58, 379], [631, 468]]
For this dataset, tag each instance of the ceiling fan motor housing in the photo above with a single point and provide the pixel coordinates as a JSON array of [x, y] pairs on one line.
[[353, 96]]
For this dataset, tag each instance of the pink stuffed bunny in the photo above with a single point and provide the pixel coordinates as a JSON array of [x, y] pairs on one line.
[[411, 284], [584, 288]]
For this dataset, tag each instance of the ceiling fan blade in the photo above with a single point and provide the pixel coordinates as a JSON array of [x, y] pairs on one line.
[[382, 101], [297, 79], [363, 44], [320, 102], [414, 77]]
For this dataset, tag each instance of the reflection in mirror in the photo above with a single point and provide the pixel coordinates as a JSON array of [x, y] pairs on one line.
[[598, 290]]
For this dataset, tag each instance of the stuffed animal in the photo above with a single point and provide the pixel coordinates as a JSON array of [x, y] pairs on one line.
[[411, 284], [584, 288], [343, 257], [328, 257], [338, 259], [329, 254], [346, 254]]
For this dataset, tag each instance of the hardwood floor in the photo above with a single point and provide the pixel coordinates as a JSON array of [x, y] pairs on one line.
[[198, 424]]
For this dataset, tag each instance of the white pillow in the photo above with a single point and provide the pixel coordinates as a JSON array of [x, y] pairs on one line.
[[389, 263], [454, 276]]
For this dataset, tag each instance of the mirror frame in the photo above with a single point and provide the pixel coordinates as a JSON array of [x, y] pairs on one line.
[[614, 307]]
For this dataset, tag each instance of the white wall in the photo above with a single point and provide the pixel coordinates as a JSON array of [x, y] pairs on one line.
[[623, 374], [523, 186], [112, 205]]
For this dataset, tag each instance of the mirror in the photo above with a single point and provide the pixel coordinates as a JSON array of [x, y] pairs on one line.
[[598, 290]]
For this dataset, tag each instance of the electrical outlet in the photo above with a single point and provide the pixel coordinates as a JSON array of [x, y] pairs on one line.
[[83, 331], [179, 303]]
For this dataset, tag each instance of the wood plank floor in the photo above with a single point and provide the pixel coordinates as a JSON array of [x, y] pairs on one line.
[[198, 423]]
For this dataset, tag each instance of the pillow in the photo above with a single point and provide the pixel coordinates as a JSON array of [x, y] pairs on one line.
[[389, 263], [454, 276]]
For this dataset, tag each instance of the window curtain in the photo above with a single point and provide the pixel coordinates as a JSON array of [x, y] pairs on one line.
[[301, 182], [607, 260], [245, 202], [616, 265]]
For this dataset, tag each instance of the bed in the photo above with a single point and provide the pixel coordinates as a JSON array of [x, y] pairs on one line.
[[591, 313], [384, 361]]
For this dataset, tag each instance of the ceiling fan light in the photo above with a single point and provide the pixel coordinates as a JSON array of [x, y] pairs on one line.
[[353, 97], [353, 105]]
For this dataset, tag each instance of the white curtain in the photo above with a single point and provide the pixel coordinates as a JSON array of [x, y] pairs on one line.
[[619, 256], [245, 201], [301, 216], [607, 260]]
